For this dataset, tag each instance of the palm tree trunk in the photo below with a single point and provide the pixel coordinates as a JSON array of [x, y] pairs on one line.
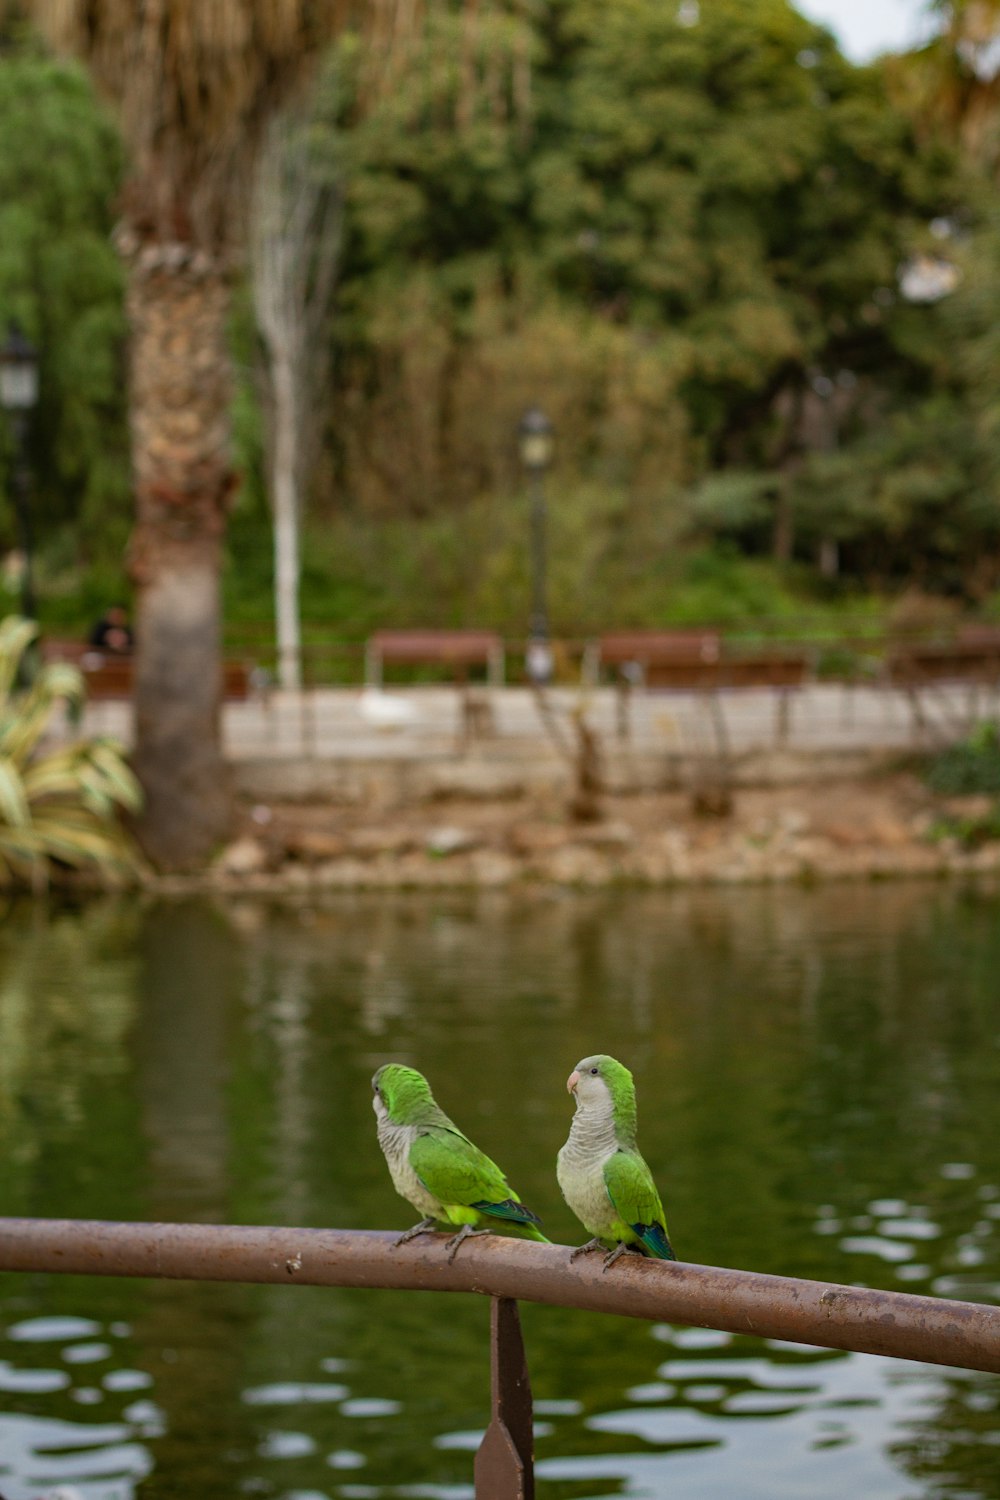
[[178, 301]]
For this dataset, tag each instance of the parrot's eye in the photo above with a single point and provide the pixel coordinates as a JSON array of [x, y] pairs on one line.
[[594, 1071]]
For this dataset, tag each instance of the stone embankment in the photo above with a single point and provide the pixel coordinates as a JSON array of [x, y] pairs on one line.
[[885, 827]]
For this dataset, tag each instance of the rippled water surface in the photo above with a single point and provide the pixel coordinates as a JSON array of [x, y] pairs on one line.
[[819, 1086]]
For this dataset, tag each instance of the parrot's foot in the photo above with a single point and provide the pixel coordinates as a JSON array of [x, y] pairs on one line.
[[594, 1244], [424, 1227], [617, 1253], [465, 1233]]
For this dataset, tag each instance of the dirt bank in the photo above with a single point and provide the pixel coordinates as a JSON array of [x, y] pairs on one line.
[[890, 826]]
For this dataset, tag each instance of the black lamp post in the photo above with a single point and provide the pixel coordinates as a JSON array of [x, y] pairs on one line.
[[18, 397], [536, 443]]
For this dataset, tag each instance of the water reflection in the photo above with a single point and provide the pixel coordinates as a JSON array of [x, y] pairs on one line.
[[818, 1080], [104, 1458]]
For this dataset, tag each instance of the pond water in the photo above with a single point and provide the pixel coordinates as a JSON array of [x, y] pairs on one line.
[[819, 1089]]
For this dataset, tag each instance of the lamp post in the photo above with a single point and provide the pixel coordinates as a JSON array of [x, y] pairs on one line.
[[18, 396], [536, 443]]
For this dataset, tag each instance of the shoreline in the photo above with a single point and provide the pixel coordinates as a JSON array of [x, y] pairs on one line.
[[885, 828]]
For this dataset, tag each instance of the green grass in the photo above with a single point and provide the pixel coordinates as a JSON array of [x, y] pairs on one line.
[[473, 568], [610, 565]]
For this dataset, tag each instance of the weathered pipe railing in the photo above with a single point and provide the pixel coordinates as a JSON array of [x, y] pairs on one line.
[[778, 1307]]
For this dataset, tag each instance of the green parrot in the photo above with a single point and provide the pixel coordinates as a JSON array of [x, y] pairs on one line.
[[603, 1178], [438, 1169]]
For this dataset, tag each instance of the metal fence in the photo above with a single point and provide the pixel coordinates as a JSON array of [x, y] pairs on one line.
[[865, 1320]]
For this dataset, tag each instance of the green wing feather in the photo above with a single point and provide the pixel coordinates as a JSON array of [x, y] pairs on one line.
[[634, 1198], [456, 1171]]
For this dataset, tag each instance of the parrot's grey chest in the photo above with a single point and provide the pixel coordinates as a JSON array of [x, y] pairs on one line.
[[396, 1141], [580, 1168]]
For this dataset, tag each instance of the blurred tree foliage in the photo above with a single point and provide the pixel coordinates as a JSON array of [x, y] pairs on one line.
[[60, 165], [682, 228]]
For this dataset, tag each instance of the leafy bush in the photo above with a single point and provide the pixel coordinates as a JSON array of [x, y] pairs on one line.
[[970, 831], [972, 766], [58, 809]]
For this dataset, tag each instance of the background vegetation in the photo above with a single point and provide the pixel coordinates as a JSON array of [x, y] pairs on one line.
[[683, 230]]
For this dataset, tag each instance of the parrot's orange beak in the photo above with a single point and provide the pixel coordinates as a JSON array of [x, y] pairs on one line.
[[572, 1081]]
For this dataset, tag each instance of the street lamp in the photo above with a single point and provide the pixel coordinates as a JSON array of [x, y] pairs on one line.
[[535, 442], [18, 396]]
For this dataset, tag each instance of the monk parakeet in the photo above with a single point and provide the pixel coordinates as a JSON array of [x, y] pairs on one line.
[[438, 1169], [603, 1178]]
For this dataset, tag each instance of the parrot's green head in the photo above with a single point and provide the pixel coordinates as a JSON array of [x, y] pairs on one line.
[[601, 1082], [402, 1094]]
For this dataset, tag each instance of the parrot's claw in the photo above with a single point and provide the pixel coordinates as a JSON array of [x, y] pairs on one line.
[[465, 1233], [593, 1244], [616, 1254], [426, 1226]]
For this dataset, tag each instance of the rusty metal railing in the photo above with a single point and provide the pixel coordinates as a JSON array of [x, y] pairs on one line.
[[861, 1319]]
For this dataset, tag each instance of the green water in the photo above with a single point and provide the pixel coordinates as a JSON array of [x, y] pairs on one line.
[[819, 1088]]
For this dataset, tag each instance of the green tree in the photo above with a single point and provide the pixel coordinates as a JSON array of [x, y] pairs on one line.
[[664, 220], [60, 168], [194, 87], [952, 82]]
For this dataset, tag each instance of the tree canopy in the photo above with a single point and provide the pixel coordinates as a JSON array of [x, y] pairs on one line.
[[684, 230], [60, 168]]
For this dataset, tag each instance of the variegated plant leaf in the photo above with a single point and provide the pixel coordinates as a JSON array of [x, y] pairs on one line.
[[16, 635], [15, 810], [61, 807]]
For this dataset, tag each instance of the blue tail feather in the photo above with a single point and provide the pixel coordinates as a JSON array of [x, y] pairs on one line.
[[654, 1237], [508, 1209]]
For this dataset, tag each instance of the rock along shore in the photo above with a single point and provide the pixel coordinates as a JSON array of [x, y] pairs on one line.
[[885, 827]]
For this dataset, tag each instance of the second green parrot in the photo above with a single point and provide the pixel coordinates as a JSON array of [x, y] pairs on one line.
[[602, 1175], [438, 1169]]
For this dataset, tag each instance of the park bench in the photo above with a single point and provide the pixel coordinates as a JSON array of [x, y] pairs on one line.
[[973, 655], [786, 669], [680, 659], [919, 668], [459, 651], [456, 649], [666, 658], [693, 661], [108, 677]]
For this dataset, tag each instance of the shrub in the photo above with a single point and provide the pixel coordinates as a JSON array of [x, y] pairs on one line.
[[971, 766], [59, 809]]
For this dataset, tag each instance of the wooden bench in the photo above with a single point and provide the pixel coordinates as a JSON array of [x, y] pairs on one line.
[[670, 658], [457, 649], [971, 659], [694, 661], [678, 659], [108, 677], [972, 656], [785, 668]]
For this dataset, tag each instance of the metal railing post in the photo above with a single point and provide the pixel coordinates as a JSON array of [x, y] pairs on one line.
[[505, 1463]]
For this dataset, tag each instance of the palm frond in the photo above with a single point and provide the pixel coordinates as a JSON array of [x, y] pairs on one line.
[[196, 83]]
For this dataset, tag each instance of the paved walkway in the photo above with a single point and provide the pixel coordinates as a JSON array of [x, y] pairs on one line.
[[429, 722]]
